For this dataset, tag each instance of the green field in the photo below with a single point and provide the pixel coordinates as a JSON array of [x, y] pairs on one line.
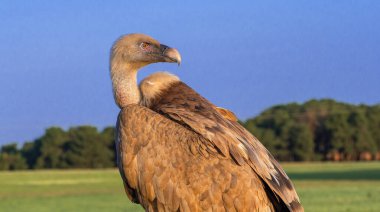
[[321, 186]]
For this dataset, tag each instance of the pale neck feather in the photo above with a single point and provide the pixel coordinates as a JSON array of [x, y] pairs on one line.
[[153, 85], [124, 83]]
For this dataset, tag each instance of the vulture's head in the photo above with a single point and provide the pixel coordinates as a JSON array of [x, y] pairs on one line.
[[138, 50]]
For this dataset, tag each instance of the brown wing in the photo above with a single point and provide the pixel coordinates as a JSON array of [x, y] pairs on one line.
[[182, 104], [227, 114], [168, 167]]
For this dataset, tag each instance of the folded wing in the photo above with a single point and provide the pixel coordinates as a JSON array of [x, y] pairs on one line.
[[227, 137]]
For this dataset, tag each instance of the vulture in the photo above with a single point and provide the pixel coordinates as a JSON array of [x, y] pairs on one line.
[[176, 151]]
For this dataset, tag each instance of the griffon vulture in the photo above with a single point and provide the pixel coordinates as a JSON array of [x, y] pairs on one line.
[[176, 151]]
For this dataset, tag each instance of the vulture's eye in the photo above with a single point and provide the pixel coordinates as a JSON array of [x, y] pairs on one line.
[[144, 45]]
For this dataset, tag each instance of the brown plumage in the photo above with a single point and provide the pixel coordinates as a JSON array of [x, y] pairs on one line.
[[176, 151], [227, 113]]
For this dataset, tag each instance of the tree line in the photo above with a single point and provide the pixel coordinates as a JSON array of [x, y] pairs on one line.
[[319, 130], [314, 131], [78, 147]]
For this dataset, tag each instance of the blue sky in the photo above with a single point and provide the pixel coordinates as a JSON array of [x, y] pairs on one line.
[[245, 56]]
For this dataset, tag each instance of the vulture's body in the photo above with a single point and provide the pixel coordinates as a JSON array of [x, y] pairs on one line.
[[176, 151]]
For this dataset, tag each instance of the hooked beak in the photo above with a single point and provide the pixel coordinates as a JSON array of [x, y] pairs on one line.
[[171, 55]]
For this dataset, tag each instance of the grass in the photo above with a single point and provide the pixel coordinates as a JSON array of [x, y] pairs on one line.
[[321, 187], [337, 186]]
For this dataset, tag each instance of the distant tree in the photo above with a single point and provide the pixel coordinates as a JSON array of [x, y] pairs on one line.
[[86, 148], [338, 134], [9, 148], [361, 136], [108, 135], [270, 128], [10, 158], [316, 130], [30, 152], [51, 149], [373, 116], [268, 139], [301, 143]]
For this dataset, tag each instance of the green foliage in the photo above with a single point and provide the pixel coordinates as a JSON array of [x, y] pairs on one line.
[[301, 143], [316, 130], [319, 129], [86, 148], [31, 151], [9, 148], [51, 149], [79, 147], [10, 158], [108, 136]]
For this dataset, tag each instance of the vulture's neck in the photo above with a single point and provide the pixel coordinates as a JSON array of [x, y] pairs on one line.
[[124, 83]]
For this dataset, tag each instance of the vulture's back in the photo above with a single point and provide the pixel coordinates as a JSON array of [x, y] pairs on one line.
[[173, 169], [181, 154]]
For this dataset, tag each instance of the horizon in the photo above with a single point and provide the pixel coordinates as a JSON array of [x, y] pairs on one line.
[[243, 56], [100, 129]]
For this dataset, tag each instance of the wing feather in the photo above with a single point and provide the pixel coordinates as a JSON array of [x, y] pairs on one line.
[[168, 166], [183, 105], [158, 151]]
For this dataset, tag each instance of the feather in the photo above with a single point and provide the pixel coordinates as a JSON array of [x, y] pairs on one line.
[[177, 151], [182, 104]]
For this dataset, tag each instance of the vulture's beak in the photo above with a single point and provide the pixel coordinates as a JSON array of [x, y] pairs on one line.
[[171, 54]]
